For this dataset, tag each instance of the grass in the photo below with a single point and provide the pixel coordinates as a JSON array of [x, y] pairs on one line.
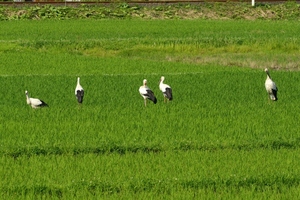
[[188, 41], [219, 138]]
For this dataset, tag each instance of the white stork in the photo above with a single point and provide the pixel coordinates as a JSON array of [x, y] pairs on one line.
[[147, 93], [79, 92], [33, 102], [271, 87], [166, 89]]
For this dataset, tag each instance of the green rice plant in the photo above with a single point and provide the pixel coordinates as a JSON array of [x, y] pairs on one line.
[[219, 138]]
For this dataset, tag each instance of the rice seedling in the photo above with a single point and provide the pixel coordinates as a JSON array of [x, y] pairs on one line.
[[218, 138]]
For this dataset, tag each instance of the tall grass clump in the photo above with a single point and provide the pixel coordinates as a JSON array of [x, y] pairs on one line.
[[288, 10]]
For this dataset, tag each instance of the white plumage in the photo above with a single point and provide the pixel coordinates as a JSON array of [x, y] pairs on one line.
[[271, 87], [147, 93], [166, 89], [33, 102], [79, 92]]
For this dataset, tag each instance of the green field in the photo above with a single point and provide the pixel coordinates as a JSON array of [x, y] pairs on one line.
[[220, 138]]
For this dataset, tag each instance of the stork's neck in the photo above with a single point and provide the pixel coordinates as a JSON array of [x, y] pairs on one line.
[[78, 81], [27, 99]]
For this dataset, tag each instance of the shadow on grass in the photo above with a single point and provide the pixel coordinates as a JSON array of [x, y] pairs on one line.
[[119, 149], [157, 186]]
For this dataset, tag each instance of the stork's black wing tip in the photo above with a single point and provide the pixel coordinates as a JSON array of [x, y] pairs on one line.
[[43, 104]]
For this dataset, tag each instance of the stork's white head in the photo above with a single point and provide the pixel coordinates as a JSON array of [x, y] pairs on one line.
[[267, 72], [162, 78], [145, 81], [26, 92]]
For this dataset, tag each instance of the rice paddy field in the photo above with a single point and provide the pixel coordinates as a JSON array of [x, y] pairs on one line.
[[220, 137]]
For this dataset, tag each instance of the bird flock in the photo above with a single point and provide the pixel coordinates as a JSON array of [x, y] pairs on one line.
[[38, 103], [148, 94]]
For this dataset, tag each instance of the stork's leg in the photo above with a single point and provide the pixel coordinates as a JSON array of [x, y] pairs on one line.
[[269, 99], [145, 102]]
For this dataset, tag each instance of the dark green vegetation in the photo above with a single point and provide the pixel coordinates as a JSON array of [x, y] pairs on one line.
[[286, 11], [219, 138]]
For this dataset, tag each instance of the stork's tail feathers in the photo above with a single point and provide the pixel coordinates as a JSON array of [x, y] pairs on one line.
[[273, 96], [169, 93], [43, 104], [79, 96], [153, 98]]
